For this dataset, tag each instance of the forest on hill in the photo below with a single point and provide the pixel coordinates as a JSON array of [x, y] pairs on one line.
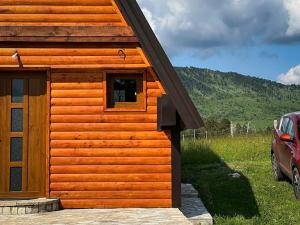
[[241, 99]]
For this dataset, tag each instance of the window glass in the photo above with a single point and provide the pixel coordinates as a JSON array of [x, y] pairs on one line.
[[17, 91], [299, 130], [15, 179], [284, 124], [17, 120], [125, 90], [16, 149], [291, 129]]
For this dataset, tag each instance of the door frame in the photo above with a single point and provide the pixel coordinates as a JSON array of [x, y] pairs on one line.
[[47, 71]]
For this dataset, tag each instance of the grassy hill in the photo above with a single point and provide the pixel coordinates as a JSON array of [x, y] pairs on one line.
[[239, 98]]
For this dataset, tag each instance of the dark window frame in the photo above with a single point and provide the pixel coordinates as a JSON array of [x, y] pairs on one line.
[[140, 105]]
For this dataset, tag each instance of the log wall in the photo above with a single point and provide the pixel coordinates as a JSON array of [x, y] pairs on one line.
[[60, 13], [106, 159], [74, 58]]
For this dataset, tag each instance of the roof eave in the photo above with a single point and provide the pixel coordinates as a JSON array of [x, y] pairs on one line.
[[161, 64]]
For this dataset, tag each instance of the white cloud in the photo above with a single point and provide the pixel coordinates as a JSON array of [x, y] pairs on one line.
[[291, 77], [293, 9], [202, 26]]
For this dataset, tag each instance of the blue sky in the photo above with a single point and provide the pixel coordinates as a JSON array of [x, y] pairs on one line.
[[259, 38]]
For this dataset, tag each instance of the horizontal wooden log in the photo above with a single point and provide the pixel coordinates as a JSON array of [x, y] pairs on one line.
[[76, 110], [110, 144], [69, 52], [59, 127], [93, 66], [61, 31], [105, 118], [110, 169], [77, 93], [152, 85], [110, 161], [58, 2], [76, 77], [152, 109], [110, 186], [75, 86], [33, 9], [82, 39], [56, 178], [76, 102], [154, 92], [111, 194], [59, 18], [69, 60], [152, 101], [116, 203], [149, 135], [63, 24], [110, 152]]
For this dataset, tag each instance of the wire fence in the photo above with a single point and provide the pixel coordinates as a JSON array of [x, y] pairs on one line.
[[232, 131]]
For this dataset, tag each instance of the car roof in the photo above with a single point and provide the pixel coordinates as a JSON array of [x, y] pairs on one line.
[[297, 114]]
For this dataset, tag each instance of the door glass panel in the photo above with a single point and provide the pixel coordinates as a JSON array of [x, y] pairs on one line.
[[15, 179], [17, 91], [16, 149], [17, 120]]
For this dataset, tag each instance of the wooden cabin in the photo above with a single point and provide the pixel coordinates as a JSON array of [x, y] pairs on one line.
[[91, 108]]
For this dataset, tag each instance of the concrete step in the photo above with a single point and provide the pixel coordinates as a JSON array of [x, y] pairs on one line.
[[28, 206], [192, 206]]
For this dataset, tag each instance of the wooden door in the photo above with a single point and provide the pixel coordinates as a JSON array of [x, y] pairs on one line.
[[22, 134]]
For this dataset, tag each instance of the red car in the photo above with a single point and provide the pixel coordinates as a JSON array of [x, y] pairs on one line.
[[286, 150]]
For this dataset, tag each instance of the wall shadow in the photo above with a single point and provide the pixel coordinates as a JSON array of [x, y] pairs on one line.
[[222, 194]]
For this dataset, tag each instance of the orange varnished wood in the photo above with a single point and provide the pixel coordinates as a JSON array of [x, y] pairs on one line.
[[92, 127], [73, 57], [97, 158], [76, 110], [42, 12], [106, 118], [110, 186], [56, 178], [76, 101], [110, 161], [121, 135], [111, 152], [160, 194], [110, 144], [110, 169], [58, 2], [116, 203], [107, 152], [98, 93]]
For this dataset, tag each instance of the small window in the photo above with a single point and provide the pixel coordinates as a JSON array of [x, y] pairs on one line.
[[125, 91]]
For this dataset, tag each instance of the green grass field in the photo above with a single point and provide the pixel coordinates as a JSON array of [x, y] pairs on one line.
[[255, 198]]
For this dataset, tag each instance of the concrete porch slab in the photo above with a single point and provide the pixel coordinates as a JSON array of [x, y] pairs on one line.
[[101, 217]]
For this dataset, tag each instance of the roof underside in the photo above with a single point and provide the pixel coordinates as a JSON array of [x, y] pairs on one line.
[[161, 63]]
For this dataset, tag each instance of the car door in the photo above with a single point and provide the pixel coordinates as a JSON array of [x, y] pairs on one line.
[[289, 148], [282, 146]]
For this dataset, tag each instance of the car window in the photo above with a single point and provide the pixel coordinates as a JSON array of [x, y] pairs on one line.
[[299, 129], [291, 129], [284, 125]]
